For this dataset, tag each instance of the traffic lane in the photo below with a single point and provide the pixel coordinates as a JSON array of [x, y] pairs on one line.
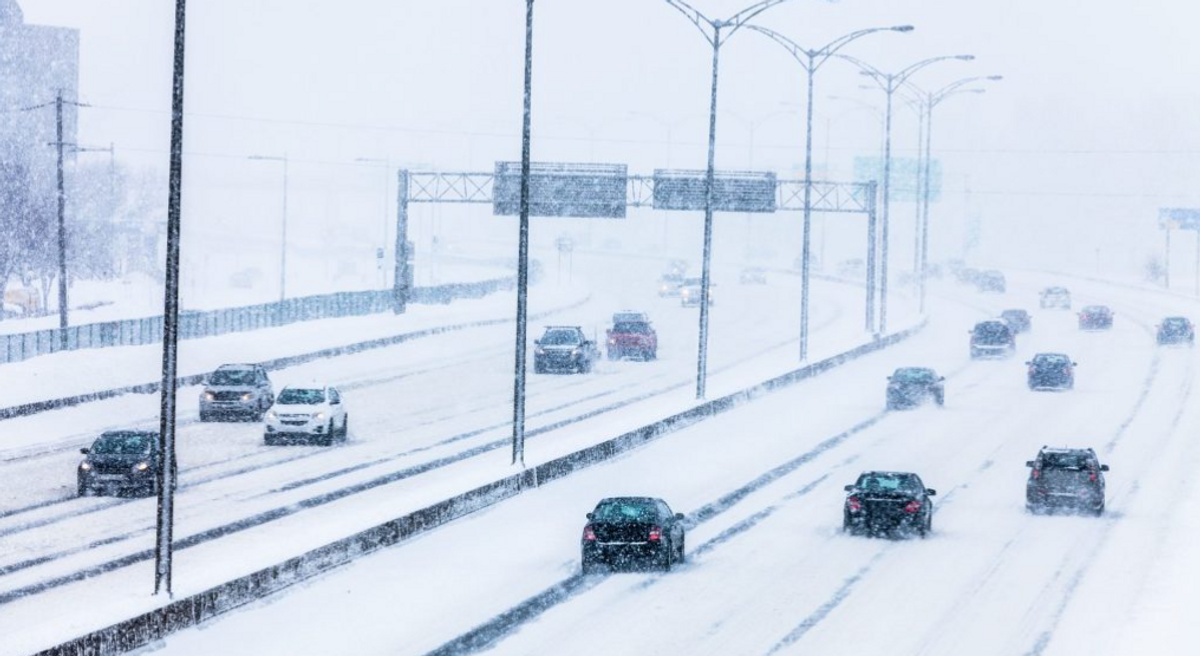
[[846, 588], [493, 552]]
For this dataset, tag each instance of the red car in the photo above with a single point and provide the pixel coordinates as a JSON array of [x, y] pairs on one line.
[[632, 335]]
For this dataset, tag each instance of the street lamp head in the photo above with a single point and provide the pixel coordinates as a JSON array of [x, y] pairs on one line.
[[995, 78], [903, 28], [965, 57]]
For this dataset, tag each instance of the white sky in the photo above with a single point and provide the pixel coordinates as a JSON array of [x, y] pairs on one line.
[[1089, 133]]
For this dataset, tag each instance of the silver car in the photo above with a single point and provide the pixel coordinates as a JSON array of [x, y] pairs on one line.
[[239, 391]]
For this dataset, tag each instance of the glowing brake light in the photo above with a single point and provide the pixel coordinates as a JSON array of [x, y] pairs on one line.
[[912, 507], [655, 534], [854, 503], [1036, 474], [588, 533], [1092, 476]]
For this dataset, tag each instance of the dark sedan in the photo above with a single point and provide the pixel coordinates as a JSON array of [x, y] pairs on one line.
[[909, 387], [120, 461], [1095, 317], [888, 503], [632, 532], [1051, 371]]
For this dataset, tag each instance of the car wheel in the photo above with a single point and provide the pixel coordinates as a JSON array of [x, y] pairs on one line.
[[681, 556], [327, 438], [1099, 511], [941, 400], [345, 428], [668, 559], [268, 439], [84, 490], [654, 354], [588, 567], [205, 417]]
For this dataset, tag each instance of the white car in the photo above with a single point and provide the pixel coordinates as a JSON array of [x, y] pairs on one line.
[[311, 413]]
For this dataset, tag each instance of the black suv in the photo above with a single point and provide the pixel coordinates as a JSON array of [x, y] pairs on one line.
[[1176, 330], [1051, 371], [120, 461], [236, 390], [888, 503], [564, 348], [992, 338], [1069, 479], [909, 387], [632, 531]]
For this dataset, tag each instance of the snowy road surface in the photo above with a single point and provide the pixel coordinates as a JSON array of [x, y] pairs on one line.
[[771, 572], [243, 505]]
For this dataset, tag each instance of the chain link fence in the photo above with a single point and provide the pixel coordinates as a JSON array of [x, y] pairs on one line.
[[193, 324]]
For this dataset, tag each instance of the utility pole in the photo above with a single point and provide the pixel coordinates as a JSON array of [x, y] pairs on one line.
[[518, 455], [165, 478]]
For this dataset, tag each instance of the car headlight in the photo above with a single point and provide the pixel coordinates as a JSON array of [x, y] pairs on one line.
[[141, 466], [247, 396], [271, 415], [319, 416], [575, 352], [209, 396], [85, 466], [612, 341], [539, 351]]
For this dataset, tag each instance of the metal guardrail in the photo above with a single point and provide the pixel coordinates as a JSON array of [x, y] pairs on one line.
[[195, 609], [18, 347]]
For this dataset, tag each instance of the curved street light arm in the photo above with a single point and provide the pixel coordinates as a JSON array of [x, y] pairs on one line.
[[739, 20], [879, 77], [903, 75], [953, 86], [800, 54], [956, 92], [698, 19], [834, 46]]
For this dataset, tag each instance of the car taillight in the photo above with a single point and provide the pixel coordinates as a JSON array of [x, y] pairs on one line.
[[912, 506], [655, 534], [1092, 476], [854, 503], [1036, 474], [588, 533]]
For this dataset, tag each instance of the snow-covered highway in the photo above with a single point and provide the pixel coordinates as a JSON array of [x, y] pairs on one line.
[[769, 569]]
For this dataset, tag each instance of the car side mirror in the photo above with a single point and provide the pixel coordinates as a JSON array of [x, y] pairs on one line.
[[1103, 467], [889, 377], [85, 451], [537, 342], [1029, 463], [589, 516], [1028, 362], [679, 517], [941, 379], [930, 492], [849, 488], [1074, 364]]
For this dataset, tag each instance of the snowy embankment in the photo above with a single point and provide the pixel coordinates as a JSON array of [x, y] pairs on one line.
[[772, 572], [228, 476]]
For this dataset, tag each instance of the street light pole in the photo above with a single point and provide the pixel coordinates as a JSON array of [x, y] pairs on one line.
[[715, 39], [165, 477], [518, 456], [930, 102], [889, 83], [811, 60]]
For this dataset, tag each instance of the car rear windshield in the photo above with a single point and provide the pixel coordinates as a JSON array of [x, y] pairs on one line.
[[1177, 325], [635, 327], [232, 377], [624, 512], [560, 337], [1014, 314], [1066, 461], [913, 375], [1051, 361], [888, 483], [992, 333], [293, 396], [1095, 309], [124, 443]]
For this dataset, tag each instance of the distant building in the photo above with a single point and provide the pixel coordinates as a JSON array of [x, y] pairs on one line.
[[36, 62]]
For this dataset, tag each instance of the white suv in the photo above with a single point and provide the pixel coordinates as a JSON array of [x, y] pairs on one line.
[[313, 412]]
